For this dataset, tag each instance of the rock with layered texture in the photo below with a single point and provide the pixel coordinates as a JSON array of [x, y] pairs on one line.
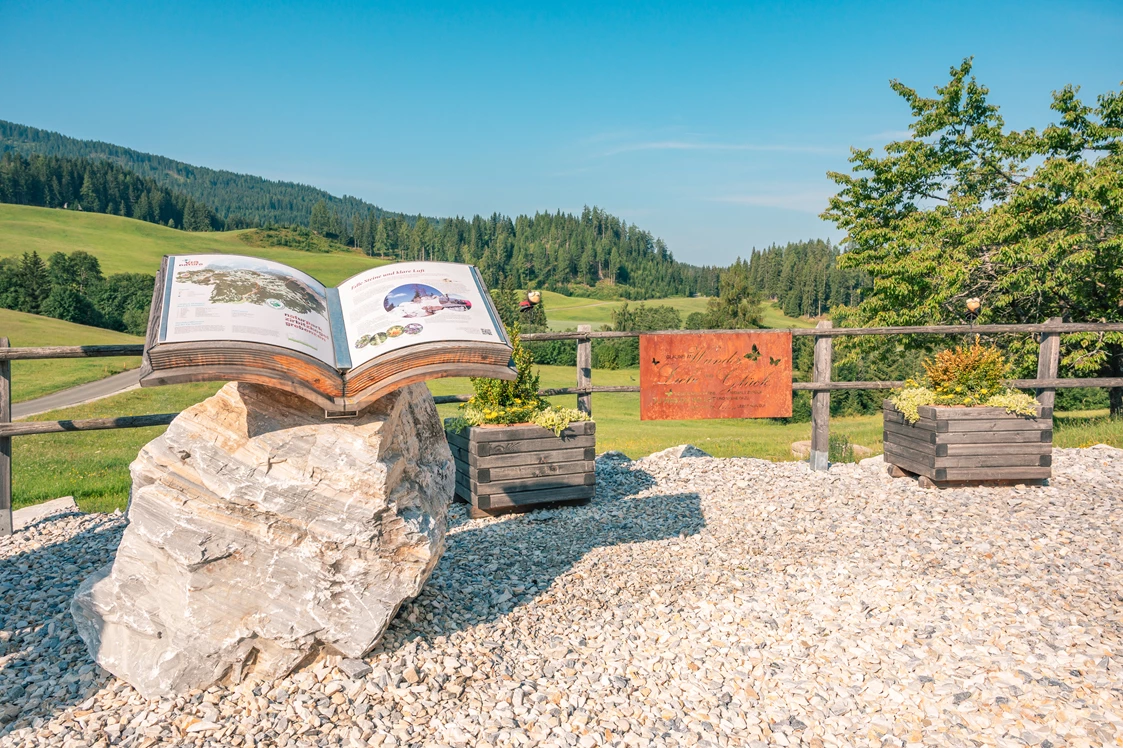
[[261, 533], [682, 451]]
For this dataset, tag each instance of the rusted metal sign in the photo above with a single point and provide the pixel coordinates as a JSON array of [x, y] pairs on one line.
[[715, 375]]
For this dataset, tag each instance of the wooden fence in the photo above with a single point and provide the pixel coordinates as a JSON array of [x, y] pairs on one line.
[[1046, 383]]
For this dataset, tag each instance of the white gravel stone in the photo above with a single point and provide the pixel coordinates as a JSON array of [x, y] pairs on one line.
[[700, 602]]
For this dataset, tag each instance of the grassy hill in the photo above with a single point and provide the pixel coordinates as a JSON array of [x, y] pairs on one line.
[[569, 311], [31, 379], [125, 245]]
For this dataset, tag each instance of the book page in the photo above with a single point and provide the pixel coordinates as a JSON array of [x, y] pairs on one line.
[[231, 297], [406, 303]]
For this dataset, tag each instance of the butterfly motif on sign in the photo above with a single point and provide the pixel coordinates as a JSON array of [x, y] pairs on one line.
[[754, 354]]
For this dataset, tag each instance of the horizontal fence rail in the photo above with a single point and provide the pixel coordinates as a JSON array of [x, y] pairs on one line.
[[69, 351], [1024, 384], [839, 332], [1046, 382], [98, 351], [27, 428]]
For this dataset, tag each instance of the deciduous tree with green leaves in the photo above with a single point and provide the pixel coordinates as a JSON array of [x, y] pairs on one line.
[[1029, 222], [738, 307]]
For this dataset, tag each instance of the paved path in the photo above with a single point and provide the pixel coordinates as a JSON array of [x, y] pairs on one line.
[[83, 393]]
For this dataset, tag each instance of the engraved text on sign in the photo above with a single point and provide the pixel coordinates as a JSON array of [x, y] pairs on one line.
[[715, 375]]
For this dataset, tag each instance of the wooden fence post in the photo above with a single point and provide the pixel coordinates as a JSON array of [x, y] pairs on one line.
[[821, 402], [5, 445], [1048, 364], [585, 370]]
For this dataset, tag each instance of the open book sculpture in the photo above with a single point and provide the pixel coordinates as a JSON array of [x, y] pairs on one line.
[[229, 317]]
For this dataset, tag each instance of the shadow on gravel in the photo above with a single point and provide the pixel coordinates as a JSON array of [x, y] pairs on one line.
[[489, 570], [608, 474], [44, 665], [486, 571]]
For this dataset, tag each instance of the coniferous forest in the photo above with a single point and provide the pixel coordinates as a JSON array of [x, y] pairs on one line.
[[804, 279], [592, 254], [99, 187]]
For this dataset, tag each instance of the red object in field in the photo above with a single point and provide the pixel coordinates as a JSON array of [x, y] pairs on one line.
[[736, 374]]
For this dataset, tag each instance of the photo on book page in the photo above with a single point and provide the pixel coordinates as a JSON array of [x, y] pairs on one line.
[[229, 297], [385, 309]]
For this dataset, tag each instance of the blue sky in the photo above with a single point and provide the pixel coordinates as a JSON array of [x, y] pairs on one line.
[[711, 125]]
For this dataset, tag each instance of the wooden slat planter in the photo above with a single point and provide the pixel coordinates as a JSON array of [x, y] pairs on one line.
[[979, 444], [510, 468]]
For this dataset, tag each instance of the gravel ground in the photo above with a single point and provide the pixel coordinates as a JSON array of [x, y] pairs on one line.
[[697, 601]]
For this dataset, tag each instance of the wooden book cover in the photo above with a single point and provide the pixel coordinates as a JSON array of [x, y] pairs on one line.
[[230, 317]]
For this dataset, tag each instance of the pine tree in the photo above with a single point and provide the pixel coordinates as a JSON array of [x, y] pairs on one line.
[[739, 305], [143, 209], [89, 195], [34, 284], [381, 241], [321, 218]]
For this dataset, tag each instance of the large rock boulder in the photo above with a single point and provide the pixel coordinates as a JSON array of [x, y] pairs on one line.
[[261, 533]]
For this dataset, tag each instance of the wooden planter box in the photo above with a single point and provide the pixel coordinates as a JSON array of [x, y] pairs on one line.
[[508, 468], [970, 444]]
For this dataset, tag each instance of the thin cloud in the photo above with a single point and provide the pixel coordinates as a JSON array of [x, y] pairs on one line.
[[804, 202], [570, 172], [686, 145], [602, 137], [635, 213], [889, 135]]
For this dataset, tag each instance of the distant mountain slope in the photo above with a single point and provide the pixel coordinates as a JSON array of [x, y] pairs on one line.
[[229, 194], [123, 245]]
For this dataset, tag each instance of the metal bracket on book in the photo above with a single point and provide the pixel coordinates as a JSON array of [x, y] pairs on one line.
[[336, 415]]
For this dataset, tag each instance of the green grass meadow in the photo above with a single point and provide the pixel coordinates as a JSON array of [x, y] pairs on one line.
[[31, 379], [565, 312], [93, 466]]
